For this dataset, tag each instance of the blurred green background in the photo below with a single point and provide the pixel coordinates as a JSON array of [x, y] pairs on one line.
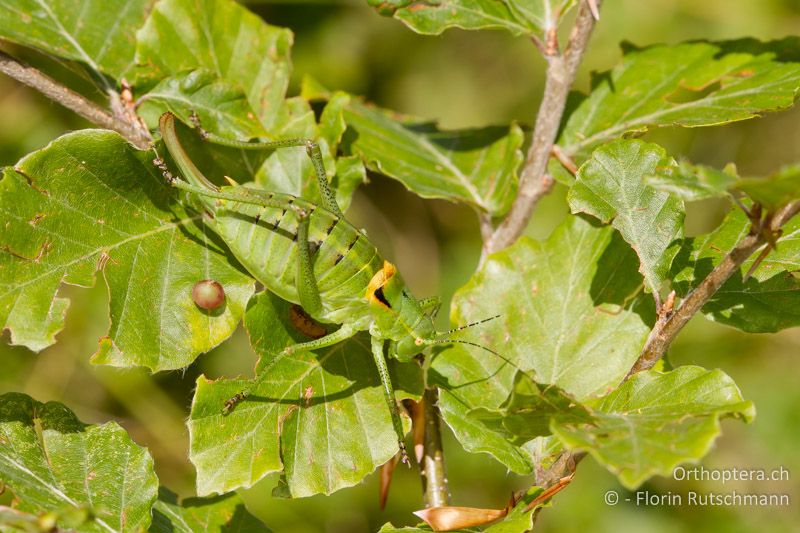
[[461, 79]]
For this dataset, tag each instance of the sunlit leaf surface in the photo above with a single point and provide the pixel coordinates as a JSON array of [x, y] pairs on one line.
[[611, 187], [569, 316], [321, 416], [94, 477], [90, 202], [656, 421]]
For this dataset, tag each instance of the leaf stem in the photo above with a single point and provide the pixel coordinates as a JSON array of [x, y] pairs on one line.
[[68, 98], [534, 182], [434, 475], [670, 324]]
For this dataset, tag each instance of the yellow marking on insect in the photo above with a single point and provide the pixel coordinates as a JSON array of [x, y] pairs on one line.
[[378, 281]]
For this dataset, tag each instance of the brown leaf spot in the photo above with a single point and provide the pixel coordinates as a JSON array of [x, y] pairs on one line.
[[534, 288]]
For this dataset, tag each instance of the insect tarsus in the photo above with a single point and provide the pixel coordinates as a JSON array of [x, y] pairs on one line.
[[233, 401]]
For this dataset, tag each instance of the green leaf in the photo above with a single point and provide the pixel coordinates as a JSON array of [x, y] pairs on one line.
[[611, 186], [698, 182], [54, 463], [656, 421], [569, 316], [389, 528], [694, 182], [775, 190], [319, 416], [15, 521], [474, 434], [313, 90], [99, 33], [350, 170], [474, 166], [220, 105], [350, 174], [689, 84], [224, 38], [220, 514], [770, 298], [528, 411], [89, 201], [332, 124], [519, 17]]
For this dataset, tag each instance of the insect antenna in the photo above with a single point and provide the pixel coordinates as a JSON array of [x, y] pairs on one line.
[[459, 341], [448, 340], [477, 323], [475, 344]]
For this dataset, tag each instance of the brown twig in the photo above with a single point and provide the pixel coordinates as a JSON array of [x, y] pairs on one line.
[[92, 112], [485, 221], [669, 325], [534, 183], [565, 160], [434, 475]]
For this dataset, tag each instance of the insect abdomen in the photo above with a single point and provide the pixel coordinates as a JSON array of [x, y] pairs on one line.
[[264, 240]]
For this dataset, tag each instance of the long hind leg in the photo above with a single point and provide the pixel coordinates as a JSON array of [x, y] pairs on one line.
[[388, 394], [312, 150], [341, 334]]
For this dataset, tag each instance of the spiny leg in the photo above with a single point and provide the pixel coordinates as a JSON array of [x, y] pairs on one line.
[[388, 393], [306, 284], [312, 150], [198, 183], [243, 194], [341, 334]]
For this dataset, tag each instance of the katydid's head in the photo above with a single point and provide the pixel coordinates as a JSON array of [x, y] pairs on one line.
[[401, 318], [397, 314]]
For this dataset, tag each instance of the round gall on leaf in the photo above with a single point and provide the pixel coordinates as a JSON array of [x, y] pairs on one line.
[[208, 294]]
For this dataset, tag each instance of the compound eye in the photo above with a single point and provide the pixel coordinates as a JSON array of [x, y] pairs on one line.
[[418, 341]]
